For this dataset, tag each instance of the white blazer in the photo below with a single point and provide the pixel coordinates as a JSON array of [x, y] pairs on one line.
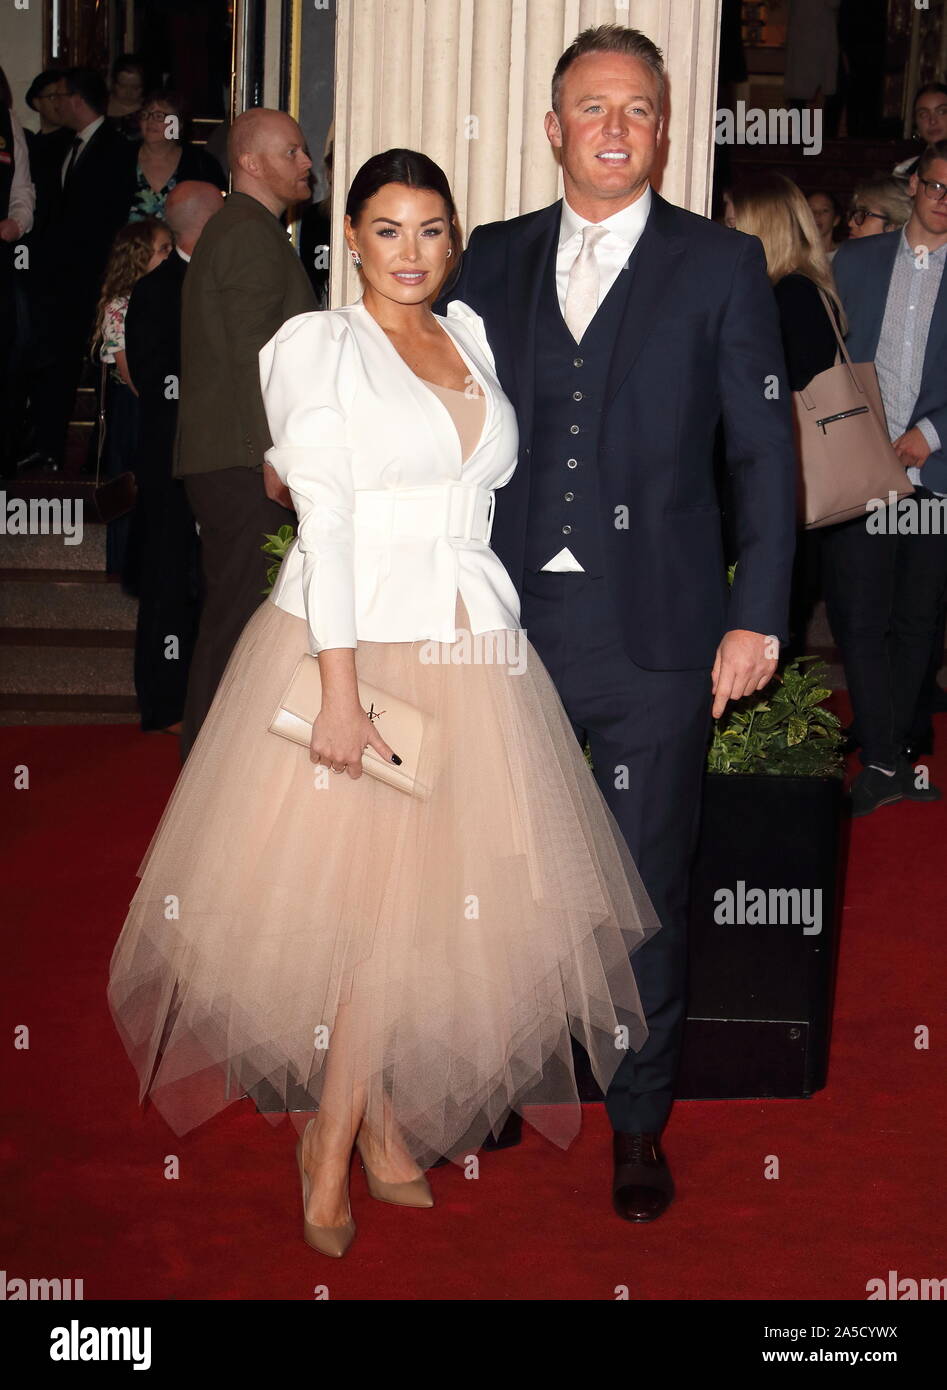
[[391, 524]]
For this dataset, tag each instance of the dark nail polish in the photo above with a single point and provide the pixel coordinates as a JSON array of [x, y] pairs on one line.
[[396, 759]]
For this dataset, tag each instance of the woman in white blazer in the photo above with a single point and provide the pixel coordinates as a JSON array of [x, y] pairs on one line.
[[412, 967]]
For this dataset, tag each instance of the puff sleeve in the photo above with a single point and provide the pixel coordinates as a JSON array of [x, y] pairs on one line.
[[307, 380], [462, 313]]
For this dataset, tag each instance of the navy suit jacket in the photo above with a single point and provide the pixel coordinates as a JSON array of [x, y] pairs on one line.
[[863, 269], [699, 339]]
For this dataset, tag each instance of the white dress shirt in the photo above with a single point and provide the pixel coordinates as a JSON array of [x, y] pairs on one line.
[[22, 192], [393, 523], [611, 256], [85, 135]]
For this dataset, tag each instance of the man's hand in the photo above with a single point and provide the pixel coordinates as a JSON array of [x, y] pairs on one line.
[[276, 490], [745, 662], [10, 230], [912, 448]]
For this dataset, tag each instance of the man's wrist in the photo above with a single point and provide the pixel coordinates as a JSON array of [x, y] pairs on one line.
[[932, 438]]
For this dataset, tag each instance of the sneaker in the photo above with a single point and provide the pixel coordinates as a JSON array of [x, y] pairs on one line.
[[873, 788]]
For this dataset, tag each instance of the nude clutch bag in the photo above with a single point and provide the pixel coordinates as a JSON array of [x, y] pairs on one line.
[[403, 727]]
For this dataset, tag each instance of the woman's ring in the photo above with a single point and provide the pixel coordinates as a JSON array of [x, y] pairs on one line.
[[339, 769]]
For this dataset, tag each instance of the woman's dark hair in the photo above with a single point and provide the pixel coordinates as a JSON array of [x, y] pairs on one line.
[[6, 96], [414, 170], [928, 88], [829, 197]]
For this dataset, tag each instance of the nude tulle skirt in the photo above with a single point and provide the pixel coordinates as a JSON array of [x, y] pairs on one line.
[[326, 942]]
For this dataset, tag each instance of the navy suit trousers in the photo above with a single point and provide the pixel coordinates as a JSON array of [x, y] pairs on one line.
[[647, 733]]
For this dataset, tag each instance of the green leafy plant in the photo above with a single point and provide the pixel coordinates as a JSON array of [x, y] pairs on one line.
[[784, 730], [276, 545]]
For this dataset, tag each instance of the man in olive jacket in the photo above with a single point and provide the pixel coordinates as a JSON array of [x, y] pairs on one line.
[[244, 281]]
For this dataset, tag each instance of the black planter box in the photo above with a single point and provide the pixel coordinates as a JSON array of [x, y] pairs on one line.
[[760, 992]]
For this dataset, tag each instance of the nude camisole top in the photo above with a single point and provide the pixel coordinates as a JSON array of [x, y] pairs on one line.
[[467, 413]]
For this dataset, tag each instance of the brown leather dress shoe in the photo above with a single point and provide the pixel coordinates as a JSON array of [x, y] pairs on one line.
[[642, 1188]]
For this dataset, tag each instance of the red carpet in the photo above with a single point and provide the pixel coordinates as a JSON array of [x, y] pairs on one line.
[[860, 1165]]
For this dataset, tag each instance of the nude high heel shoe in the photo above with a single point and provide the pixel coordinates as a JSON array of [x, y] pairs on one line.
[[416, 1193], [328, 1240]]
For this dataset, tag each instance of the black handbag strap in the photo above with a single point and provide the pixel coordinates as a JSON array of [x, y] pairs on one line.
[[100, 443]]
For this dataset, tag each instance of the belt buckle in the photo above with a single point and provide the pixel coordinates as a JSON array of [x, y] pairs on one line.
[[469, 496]]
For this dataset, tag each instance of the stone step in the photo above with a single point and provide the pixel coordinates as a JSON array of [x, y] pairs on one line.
[[66, 637], [43, 710], [81, 670], [62, 599], [50, 552]]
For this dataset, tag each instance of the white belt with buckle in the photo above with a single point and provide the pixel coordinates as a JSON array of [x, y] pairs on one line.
[[460, 511]]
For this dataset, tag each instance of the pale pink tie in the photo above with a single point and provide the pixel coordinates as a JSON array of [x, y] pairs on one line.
[[582, 289]]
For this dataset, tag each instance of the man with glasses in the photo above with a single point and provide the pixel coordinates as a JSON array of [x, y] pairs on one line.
[[886, 578]]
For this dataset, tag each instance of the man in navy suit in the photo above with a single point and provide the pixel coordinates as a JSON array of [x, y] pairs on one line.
[[623, 328], [886, 575]]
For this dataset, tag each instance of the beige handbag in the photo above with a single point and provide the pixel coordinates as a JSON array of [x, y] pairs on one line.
[[845, 456], [404, 728]]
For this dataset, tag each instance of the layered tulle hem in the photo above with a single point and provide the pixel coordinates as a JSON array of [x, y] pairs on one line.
[[318, 942]]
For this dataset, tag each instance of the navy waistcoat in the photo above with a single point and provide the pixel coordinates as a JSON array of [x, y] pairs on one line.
[[564, 505]]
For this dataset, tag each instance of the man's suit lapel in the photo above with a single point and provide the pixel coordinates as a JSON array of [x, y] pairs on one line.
[[77, 186], [654, 264], [528, 259], [888, 247], [936, 350], [90, 154]]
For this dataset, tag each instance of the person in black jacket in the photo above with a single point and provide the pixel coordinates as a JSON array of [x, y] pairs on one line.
[[90, 200], [774, 209], [163, 560], [47, 147]]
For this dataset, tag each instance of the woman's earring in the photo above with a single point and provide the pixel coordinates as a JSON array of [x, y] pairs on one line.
[[356, 260], [450, 251]]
